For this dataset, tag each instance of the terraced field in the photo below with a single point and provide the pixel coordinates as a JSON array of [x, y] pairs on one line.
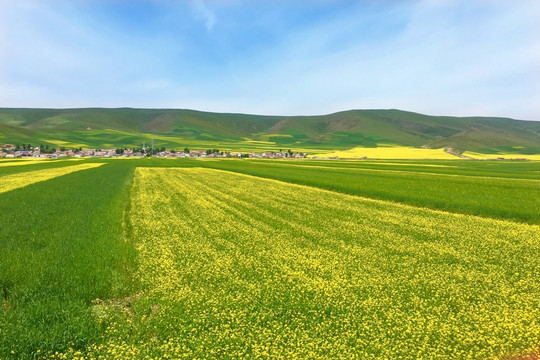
[[233, 259]]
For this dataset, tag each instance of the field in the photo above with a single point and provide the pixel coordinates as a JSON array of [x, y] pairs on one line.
[[391, 152], [481, 156], [151, 258], [407, 153]]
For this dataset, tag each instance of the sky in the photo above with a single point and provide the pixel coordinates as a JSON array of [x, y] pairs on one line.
[[280, 57]]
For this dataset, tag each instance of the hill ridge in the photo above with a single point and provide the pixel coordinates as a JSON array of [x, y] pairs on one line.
[[127, 126]]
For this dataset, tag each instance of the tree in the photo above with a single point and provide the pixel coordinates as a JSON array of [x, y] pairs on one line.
[[53, 150], [162, 148], [62, 148], [119, 151], [186, 150], [208, 152]]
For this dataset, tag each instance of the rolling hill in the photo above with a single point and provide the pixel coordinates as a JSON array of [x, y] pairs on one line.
[[101, 127]]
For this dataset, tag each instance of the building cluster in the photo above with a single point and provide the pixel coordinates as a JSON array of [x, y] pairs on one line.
[[228, 154], [13, 151]]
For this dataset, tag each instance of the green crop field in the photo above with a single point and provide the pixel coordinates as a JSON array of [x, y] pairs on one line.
[[230, 258]]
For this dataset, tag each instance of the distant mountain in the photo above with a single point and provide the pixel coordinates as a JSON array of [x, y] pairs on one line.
[[100, 127]]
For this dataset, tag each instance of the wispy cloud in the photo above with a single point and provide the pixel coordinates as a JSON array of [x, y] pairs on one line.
[[286, 57], [203, 12]]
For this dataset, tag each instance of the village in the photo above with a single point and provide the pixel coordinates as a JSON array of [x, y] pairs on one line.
[[44, 151]]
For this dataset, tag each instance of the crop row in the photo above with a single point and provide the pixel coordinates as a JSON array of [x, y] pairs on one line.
[[499, 197]]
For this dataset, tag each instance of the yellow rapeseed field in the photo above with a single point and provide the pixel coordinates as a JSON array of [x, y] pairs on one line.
[[234, 266], [393, 152], [21, 162], [15, 181], [481, 156], [20, 159], [31, 161]]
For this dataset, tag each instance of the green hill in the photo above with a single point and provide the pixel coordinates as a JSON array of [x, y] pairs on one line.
[[99, 127]]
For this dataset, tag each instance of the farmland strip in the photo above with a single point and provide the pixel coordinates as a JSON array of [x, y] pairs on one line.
[[235, 266], [16, 181]]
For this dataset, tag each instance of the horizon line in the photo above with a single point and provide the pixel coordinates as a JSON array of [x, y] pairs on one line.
[[254, 114]]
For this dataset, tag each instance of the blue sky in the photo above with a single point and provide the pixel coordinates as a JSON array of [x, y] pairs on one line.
[[274, 57]]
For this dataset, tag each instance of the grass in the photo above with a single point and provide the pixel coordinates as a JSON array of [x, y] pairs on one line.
[[62, 246], [259, 258]]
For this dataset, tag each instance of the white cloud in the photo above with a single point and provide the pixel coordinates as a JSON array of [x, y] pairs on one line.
[[204, 13], [452, 59], [447, 58]]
